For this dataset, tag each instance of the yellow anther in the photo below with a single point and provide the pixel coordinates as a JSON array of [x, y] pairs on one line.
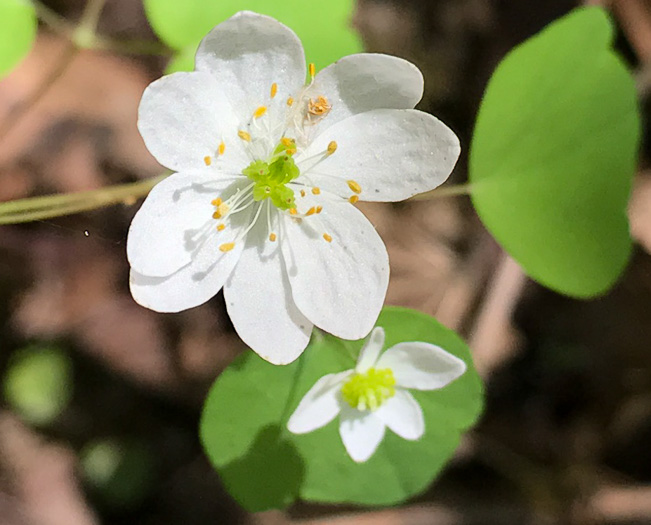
[[319, 107], [290, 101], [316, 191], [216, 202], [319, 209], [287, 142], [353, 199], [260, 111], [291, 151], [222, 148], [274, 89], [222, 209], [302, 193], [311, 211], [312, 70], [354, 186], [221, 227], [293, 211], [332, 147], [227, 247], [207, 160], [327, 237], [272, 237], [216, 215], [244, 136]]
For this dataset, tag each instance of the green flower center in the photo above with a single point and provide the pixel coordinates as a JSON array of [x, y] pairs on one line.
[[369, 390], [272, 176]]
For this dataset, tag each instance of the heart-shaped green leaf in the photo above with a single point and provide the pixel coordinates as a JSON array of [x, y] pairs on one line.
[[324, 29], [263, 465], [554, 153], [17, 32]]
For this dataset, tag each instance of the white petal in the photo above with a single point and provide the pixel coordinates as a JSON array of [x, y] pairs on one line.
[[183, 118], [198, 281], [371, 350], [403, 415], [339, 285], [158, 241], [247, 54], [259, 302], [392, 153], [361, 432], [366, 81], [319, 406], [422, 366]]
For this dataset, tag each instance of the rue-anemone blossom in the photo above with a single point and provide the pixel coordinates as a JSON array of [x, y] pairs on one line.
[[374, 395], [269, 168]]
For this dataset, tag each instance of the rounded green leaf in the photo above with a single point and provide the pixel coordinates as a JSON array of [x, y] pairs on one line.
[[17, 32], [554, 153], [263, 465], [38, 384], [324, 29]]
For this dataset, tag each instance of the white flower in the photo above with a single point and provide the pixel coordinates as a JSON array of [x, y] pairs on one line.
[[268, 172], [374, 395]]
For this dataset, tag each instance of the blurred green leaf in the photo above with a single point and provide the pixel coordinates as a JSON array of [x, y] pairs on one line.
[[17, 32], [120, 472], [324, 29], [554, 154], [263, 465], [38, 384], [182, 60]]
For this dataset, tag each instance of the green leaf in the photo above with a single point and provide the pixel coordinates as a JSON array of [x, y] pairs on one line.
[[17, 32], [554, 153], [38, 384], [324, 30], [263, 465]]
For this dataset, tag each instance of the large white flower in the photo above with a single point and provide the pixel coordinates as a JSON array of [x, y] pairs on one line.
[[268, 172], [374, 395]]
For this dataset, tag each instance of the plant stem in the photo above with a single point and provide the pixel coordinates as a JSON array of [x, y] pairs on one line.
[[38, 208], [453, 190]]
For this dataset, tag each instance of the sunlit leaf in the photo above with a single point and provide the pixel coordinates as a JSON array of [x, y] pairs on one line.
[[17, 32], [554, 153], [264, 466]]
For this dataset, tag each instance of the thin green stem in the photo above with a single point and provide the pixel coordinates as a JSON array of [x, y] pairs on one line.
[[53, 20], [453, 190], [38, 208]]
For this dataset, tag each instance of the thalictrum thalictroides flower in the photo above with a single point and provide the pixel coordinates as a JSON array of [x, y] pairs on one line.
[[374, 395], [269, 168]]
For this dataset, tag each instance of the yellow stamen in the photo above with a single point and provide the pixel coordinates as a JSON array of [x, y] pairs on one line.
[[332, 147], [311, 211], [327, 237], [293, 211], [216, 202], [319, 107], [312, 70], [260, 111], [274, 89], [227, 247], [222, 148], [353, 199], [290, 101], [272, 237], [302, 193], [207, 160], [291, 151], [319, 209], [222, 209], [354, 186], [244, 136], [316, 191], [287, 142], [221, 227]]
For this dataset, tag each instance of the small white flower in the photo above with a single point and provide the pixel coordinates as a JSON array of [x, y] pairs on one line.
[[268, 172], [374, 395]]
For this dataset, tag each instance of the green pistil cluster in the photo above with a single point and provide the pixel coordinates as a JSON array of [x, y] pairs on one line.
[[271, 177], [369, 390]]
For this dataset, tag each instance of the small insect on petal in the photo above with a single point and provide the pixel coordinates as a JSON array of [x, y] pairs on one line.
[[227, 247], [244, 136]]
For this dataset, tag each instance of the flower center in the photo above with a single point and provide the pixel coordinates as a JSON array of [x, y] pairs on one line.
[[369, 390], [271, 177]]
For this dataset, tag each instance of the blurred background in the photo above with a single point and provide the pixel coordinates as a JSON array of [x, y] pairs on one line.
[[101, 398]]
